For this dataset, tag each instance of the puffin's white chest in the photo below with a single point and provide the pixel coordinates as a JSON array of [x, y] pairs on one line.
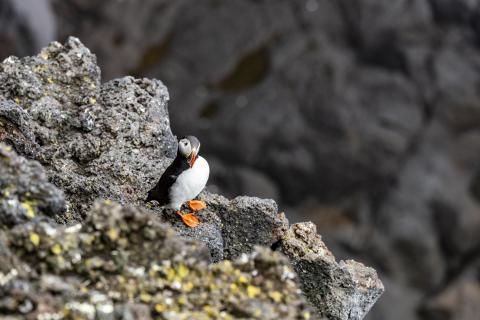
[[189, 183]]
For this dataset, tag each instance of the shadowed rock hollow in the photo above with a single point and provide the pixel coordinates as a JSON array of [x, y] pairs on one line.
[[69, 257]]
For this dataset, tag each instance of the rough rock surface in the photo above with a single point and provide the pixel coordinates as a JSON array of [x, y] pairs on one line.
[[230, 228], [113, 141], [25, 190], [109, 141], [348, 290], [122, 262]]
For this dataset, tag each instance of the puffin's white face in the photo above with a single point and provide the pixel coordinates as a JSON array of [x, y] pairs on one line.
[[184, 148]]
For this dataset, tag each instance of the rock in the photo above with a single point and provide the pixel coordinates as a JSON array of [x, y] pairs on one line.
[[14, 128], [246, 222], [209, 230], [122, 262], [344, 290], [25, 192], [95, 140], [234, 227], [348, 289]]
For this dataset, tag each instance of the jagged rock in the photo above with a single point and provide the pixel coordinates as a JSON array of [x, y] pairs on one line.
[[122, 261], [246, 222], [14, 128], [109, 141], [344, 290], [25, 191], [230, 228]]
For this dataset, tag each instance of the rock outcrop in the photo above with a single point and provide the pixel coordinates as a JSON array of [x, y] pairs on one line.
[[108, 260], [95, 140]]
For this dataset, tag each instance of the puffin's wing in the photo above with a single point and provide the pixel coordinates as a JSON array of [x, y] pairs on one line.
[[161, 190]]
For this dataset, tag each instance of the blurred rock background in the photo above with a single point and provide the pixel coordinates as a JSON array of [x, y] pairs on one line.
[[362, 116]]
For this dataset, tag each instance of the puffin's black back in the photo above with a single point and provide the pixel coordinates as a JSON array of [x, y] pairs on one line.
[[161, 191]]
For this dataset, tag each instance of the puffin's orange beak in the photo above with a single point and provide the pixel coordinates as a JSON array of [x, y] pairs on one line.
[[193, 157]]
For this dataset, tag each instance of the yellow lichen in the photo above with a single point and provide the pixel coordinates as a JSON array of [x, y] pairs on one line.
[[27, 206], [306, 315], [182, 271], [252, 291], [145, 297], [242, 279], [35, 239], [159, 308], [188, 286], [227, 265], [275, 296], [92, 100], [44, 55], [7, 190], [112, 233], [182, 300], [213, 287], [56, 249], [170, 274], [209, 310]]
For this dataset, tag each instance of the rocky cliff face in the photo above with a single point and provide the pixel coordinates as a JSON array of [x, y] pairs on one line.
[[67, 140]]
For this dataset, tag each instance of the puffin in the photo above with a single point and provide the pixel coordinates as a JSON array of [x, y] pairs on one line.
[[183, 181]]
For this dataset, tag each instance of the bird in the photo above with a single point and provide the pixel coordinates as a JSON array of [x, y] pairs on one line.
[[183, 181]]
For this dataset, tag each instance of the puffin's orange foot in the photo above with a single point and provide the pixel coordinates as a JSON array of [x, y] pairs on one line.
[[196, 205], [190, 220]]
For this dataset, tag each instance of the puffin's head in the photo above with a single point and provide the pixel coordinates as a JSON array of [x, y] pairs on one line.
[[188, 147]]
